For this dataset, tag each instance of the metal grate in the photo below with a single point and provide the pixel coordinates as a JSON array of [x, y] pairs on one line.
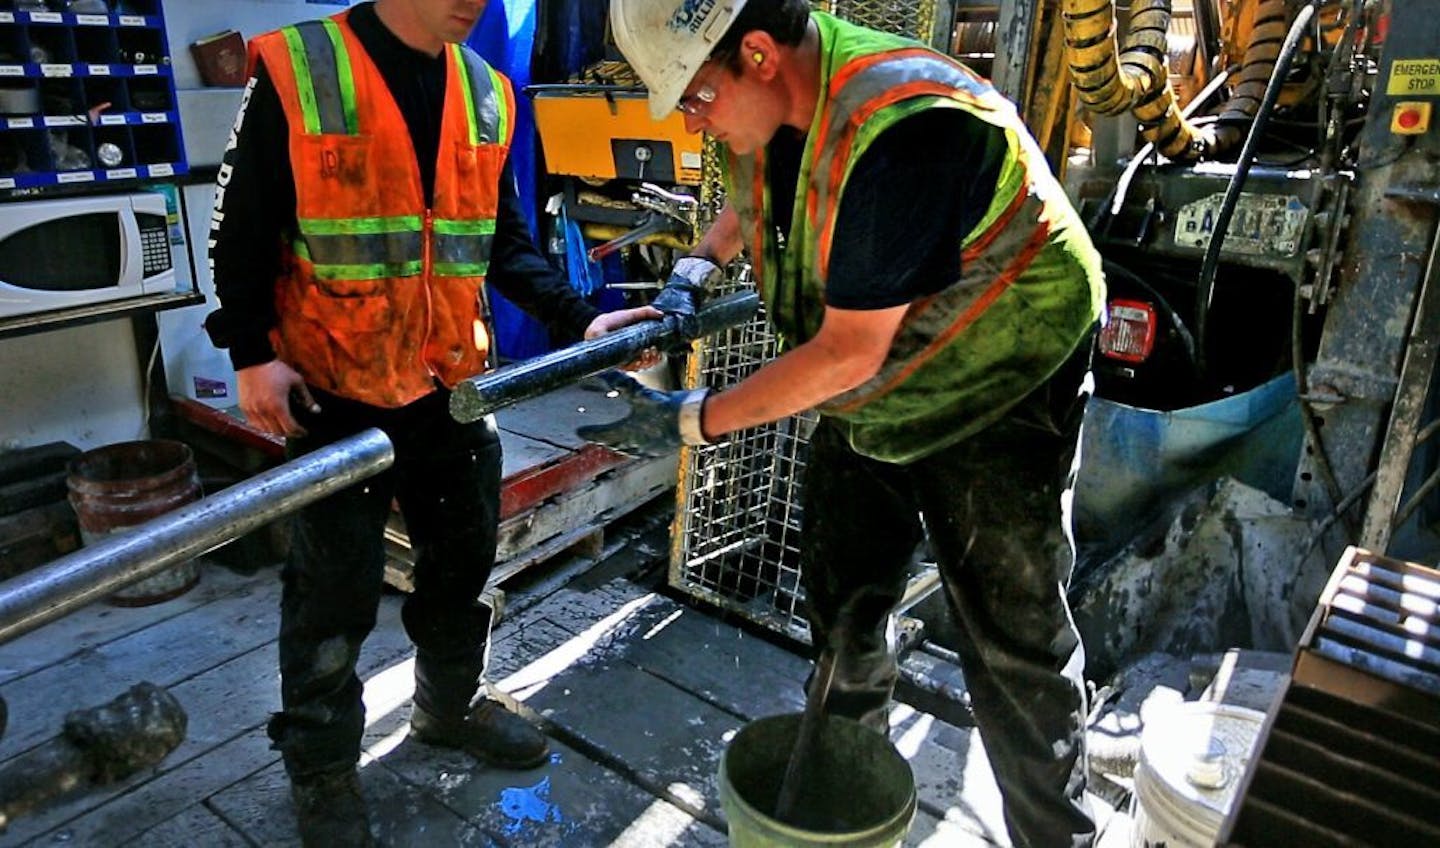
[[1351, 752], [737, 526], [1383, 618], [737, 529], [901, 17]]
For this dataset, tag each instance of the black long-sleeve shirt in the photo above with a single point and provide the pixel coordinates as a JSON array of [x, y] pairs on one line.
[[255, 210]]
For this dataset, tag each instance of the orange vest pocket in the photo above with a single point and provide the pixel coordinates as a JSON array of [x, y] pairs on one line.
[[478, 167], [348, 306], [333, 169]]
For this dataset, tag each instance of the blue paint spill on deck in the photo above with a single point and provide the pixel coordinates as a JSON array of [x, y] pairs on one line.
[[526, 804]]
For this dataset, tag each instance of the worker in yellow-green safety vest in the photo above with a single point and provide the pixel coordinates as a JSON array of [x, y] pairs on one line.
[[937, 298]]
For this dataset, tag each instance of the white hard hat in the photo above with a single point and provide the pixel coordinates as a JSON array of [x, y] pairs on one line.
[[666, 42]]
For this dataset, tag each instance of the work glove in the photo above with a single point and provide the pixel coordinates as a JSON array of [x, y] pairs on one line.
[[684, 293], [658, 422]]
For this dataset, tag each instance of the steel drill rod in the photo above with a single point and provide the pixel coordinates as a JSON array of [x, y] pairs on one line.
[[479, 396], [812, 721], [119, 559]]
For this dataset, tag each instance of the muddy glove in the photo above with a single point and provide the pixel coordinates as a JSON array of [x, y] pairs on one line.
[[658, 423], [685, 292]]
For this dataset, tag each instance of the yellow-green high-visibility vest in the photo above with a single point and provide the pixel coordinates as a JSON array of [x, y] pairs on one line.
[[1030, 287]]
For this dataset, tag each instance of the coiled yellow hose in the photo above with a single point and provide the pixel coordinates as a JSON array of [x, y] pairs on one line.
[[1137, 78], [1267, 33], [1109, 83]]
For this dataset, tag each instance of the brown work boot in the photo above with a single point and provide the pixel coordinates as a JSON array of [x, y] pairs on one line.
[[490, 733], [331, 811]]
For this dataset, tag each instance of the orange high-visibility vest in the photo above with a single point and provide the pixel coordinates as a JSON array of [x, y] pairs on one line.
[[379, 296]]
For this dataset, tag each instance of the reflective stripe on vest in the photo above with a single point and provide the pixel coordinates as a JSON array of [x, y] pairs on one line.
[[859, 90], [489, 123], [456, 243], [362, 248], [377, 248], [322, 72]]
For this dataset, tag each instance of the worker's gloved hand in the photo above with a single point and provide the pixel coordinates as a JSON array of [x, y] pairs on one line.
[[658, 423], [684, 293]]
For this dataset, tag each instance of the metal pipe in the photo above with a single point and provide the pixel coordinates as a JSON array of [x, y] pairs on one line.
[[652, 224], [477, 397], [1207, 35], [1385, 513], [76, 579]]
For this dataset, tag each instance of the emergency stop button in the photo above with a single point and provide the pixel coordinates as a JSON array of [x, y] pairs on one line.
[[1411, 117]]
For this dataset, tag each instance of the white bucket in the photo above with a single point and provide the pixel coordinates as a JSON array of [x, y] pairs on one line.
[[1192, 758]]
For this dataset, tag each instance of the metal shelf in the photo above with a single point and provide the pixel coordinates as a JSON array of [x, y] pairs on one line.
[[121, 119], [43, 179], [83, 70], [93, 80], [73, 19], [91, 313]]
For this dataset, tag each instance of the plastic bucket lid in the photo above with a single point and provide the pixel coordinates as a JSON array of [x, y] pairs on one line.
[[1192, 758]]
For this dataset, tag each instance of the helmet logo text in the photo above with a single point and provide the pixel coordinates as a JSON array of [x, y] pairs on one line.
[[691, 15]]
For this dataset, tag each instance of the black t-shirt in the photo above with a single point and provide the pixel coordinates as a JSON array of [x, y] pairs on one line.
[[257, 210], [916, 191]]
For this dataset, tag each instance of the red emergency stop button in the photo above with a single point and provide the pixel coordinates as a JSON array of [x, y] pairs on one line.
[[1410, 118]]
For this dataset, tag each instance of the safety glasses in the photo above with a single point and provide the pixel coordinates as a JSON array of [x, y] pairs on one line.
[[695, 104]]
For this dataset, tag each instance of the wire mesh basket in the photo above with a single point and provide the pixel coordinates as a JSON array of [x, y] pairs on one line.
[[736, 538]]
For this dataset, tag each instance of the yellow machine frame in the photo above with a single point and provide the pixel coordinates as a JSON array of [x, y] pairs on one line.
[[577, 127]]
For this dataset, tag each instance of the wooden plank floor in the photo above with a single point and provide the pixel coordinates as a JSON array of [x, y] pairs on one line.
[[638, 692]]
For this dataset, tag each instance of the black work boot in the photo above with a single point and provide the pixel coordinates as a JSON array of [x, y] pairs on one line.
[[489, 732], [331, 811]]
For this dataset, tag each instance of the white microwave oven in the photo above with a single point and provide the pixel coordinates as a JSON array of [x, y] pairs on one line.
[[74, 251]]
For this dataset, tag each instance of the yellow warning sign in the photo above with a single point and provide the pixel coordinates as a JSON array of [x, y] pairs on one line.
[[1414, 78]]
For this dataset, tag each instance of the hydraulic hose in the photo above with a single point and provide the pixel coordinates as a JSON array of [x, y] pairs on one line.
[[1137, 79], [1111, 81], [1211, 263], [1256, 71], [1115, 201]]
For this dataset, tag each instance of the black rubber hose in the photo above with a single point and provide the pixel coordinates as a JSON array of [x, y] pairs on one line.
[[1205, 289]]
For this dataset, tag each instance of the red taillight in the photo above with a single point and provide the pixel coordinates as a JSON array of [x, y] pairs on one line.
[[1129, 335]]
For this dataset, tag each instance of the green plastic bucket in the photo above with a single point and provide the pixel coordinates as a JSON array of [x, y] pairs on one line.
[[859, 792]]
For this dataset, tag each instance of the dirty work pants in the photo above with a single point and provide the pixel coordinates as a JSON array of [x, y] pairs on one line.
[[446, 479], [992, 506]]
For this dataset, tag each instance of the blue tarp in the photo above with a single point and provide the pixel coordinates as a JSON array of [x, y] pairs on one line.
[[505, 36], [1135, 461]]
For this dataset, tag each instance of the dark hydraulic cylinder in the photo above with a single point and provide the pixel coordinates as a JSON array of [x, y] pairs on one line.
[[477, 397], [116, 561]]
